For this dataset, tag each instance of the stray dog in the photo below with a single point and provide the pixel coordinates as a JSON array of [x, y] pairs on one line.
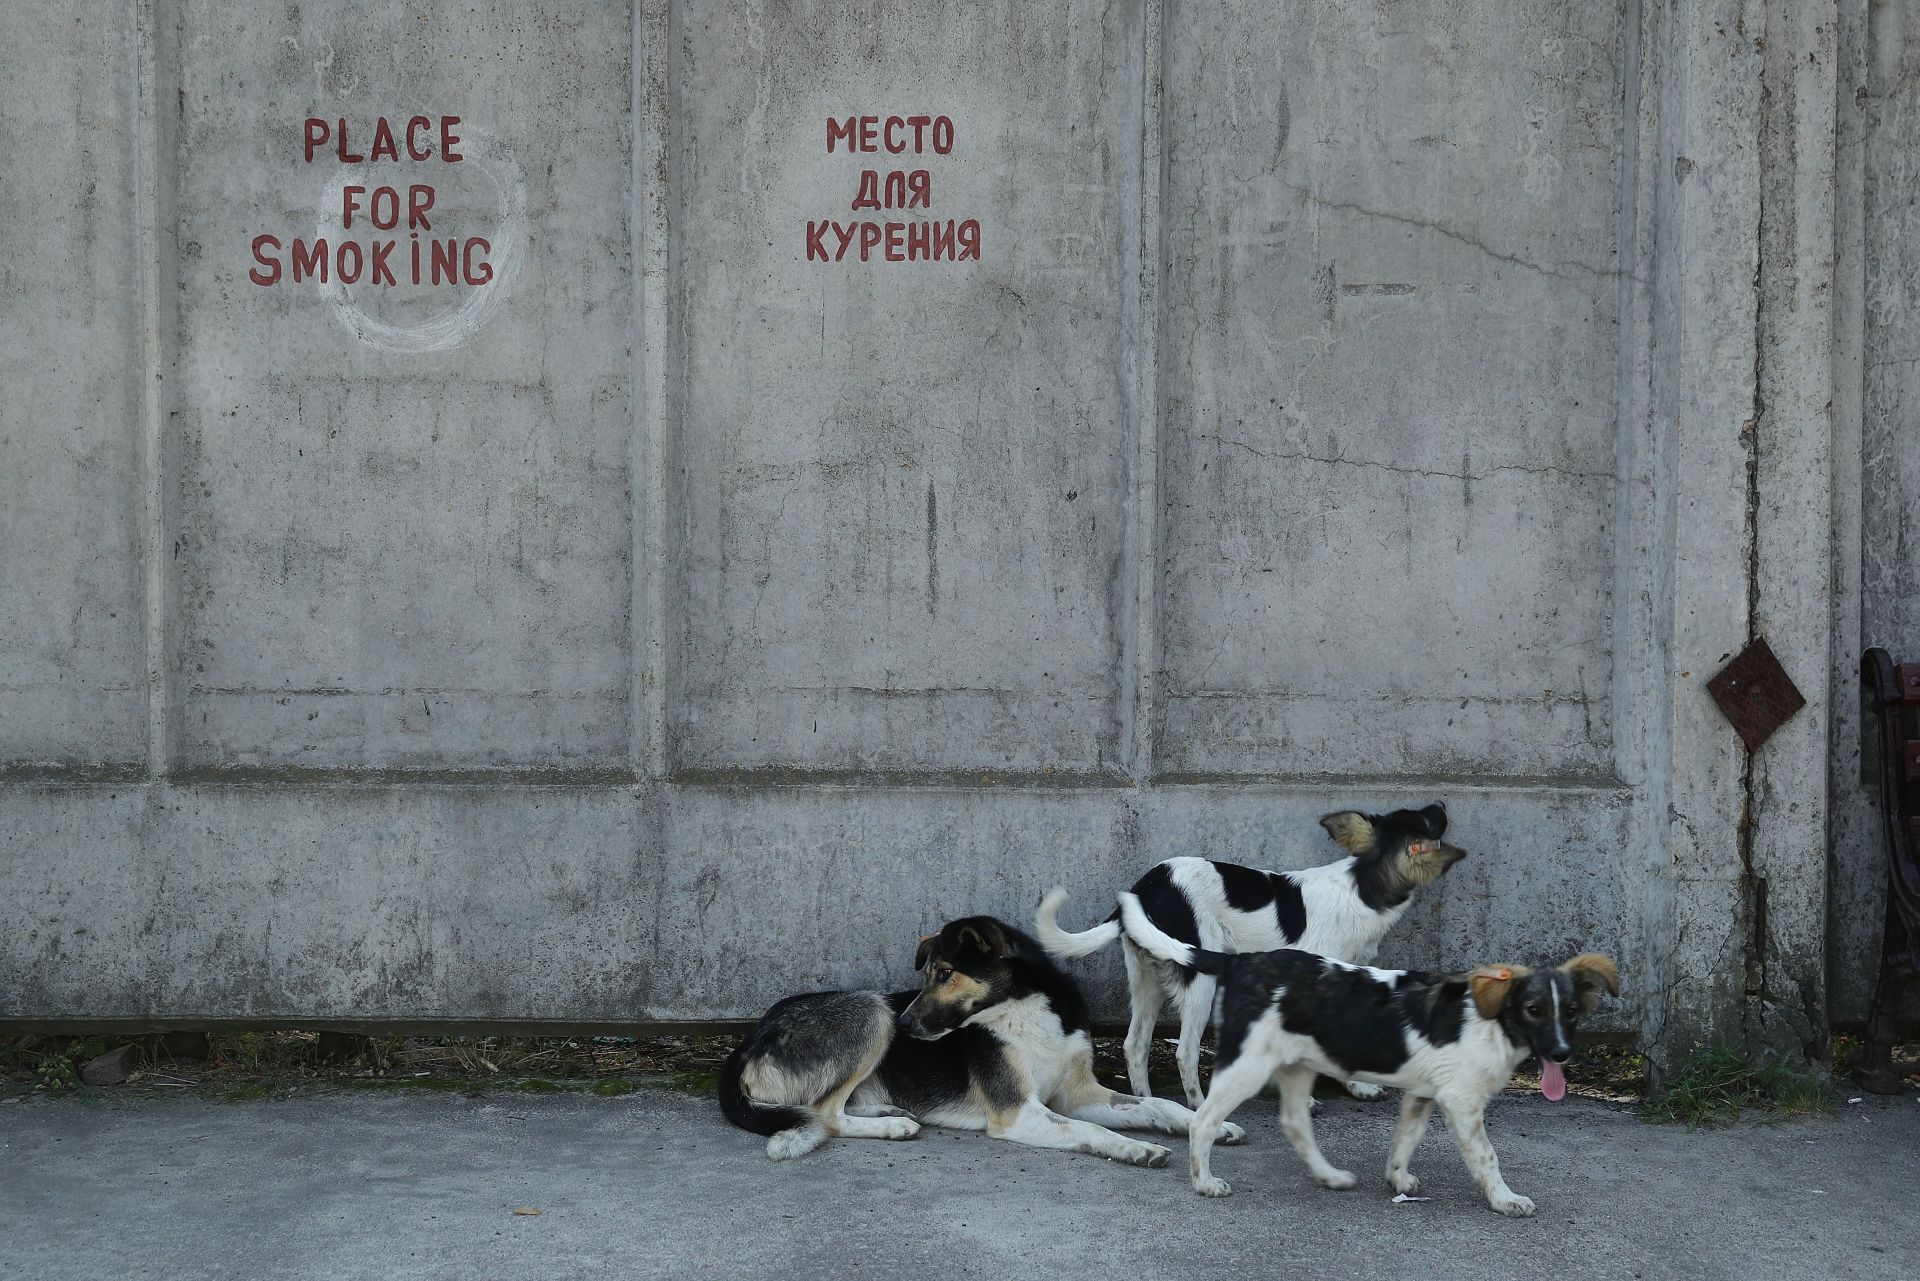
[[995, 1040], [1452, 1038], [1342, 910]]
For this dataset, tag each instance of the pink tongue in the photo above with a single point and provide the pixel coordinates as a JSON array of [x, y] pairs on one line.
[[1553, 1081]]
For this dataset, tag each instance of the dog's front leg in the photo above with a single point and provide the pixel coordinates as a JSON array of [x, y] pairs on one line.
[[1233, 1084], [1414, 1114], [1468, 1121], [1086, 1099], [1037, 1126]]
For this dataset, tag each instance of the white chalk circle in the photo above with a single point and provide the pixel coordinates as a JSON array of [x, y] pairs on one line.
[[451, 328]]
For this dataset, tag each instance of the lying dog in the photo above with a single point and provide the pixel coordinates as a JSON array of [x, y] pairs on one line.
[[1342, 909], [1453, 1038], [996, 1040]]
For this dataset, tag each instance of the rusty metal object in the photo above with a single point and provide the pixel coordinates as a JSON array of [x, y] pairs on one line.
[[1893, 694], [1756, 694]]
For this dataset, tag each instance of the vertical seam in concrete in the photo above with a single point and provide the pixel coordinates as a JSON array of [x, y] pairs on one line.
[[655, 188], [155, 237], [1659, 935], [1845, 795], [1147, 315], [1625, 567], [1786, 796], [1753, 888]]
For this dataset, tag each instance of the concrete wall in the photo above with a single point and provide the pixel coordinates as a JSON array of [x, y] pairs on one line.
[[1353, 404], [71, 605], [1876, 465]]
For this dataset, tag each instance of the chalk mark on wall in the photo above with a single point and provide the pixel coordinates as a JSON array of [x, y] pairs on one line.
[[454, 326]]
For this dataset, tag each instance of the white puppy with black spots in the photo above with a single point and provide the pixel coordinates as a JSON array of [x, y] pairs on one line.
[[1451, 1039]]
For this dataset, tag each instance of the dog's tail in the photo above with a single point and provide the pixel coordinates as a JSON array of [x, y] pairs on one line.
[[790, 1131], [1059, 943], [1147, 935]]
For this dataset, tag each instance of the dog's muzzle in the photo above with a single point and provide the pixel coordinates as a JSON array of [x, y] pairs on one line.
[[910, 1023]]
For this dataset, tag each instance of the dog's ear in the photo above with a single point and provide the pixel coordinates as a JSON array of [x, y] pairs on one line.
[[1491, 985], [924, 953], [985, 938], [1591, 972], [1351, 830], [1436, 818]]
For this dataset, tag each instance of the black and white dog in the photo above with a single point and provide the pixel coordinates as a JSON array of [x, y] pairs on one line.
[[996, 1039], [1454, 1039], [1342, 910]]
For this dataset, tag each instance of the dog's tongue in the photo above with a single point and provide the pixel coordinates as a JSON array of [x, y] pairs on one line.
[[1553, 1081]]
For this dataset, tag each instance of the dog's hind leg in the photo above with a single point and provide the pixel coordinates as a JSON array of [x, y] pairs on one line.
[[1143, 986], [1296, 1122], [1084, 1098], [1414, 1113], [858, 1124], [874, 1109], [1196, 1011], [851, 1125], [829, 1046], [1233, 1085]]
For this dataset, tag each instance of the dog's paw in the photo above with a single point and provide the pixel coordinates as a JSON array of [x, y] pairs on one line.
[[1513, 1205], [898, 1127], [797, 1142], [1403, 1181], [1231, 1134], [1210, 1186], [1151, 1155], [1338, 1180], [1365, 1091]]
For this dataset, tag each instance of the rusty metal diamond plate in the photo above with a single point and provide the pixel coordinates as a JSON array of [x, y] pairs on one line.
[[1756, 694]]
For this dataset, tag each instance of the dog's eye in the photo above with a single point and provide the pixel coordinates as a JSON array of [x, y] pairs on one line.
[[1533, 1010]]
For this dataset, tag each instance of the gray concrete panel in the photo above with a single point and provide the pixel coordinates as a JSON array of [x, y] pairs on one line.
[[71, 653], [404, 517], [616, 903], [904, 482], [1390, 427]]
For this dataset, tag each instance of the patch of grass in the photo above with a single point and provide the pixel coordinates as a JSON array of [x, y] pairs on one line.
[[443, 1084], [609, 1086], [247, 1092], [1715, 1085], [702, 1085], [535, 1085]]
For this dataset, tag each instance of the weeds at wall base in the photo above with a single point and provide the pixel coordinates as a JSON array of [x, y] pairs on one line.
[[1719, 1084]]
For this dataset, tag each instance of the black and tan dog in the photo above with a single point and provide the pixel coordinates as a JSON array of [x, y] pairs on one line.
[[1451, 1039], [996, 1039]]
